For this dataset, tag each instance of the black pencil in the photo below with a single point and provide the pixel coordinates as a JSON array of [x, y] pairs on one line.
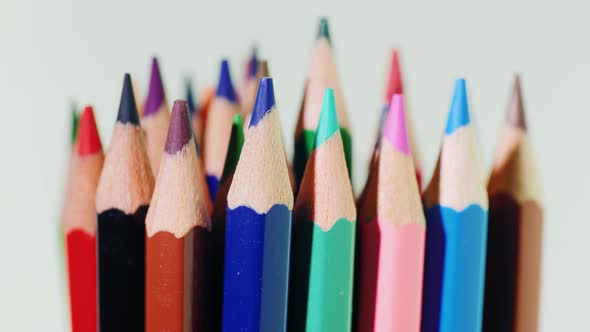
[[122, 199]]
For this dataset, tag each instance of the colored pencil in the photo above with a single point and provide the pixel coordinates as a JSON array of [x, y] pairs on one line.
[[391, 236], [456, 209], [155, 118], [322, 74], [219, 212], [122, 198], [395, 85], [258, 226], [324, 232], [218, 128], [196, 115], [60, 234], [513, 275], [249, 86], [79, 225], [178, 236]]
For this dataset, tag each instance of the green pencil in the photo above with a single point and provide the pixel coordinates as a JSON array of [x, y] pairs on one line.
[[324, 233], [322, 74]]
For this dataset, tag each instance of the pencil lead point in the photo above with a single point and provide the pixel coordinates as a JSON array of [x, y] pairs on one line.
[[225, 87], [395, 82], [88, 138], [265, 100], [253, 63], [234, 149], [459, 112], [179, 132], [324, 30], [75, 120], [156, 96], [190, 99], [328, 122], [395, 129], [127, 108], [515, 113]]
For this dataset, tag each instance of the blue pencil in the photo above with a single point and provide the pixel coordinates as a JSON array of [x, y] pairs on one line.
[[258, 227], [456, 209], [218, 128]]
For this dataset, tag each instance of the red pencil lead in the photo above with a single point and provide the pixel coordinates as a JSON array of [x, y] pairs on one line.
[[88, 138]]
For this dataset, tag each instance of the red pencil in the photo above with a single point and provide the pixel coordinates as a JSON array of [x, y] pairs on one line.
[[79, 225]]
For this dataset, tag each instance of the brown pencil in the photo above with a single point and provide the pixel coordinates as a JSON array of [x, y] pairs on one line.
[[515, 229], [122, 198], [178, 236]]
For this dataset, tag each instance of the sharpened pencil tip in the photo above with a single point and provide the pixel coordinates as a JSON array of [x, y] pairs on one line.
[[74, 123], [234, 148], [395, 83], [263, 69], [395, 129], [324, 30], [253, 63], [265, 100], [88, 138], [179, 132], [225, 88], [127, 107], [459, 112], [156, 96], [328, 122], [190, 99], [515, 113]]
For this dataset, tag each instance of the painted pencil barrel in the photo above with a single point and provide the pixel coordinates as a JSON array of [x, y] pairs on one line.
[[256, 269], [329, 302], [454, 269], [81, 258], [121, 262], [176, 282], [390, 276], [513, 265]]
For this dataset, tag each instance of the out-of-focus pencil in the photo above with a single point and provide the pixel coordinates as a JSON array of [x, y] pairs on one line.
[[79, 225], [322, 73], [155, 118], [513, 275], [218, 128]]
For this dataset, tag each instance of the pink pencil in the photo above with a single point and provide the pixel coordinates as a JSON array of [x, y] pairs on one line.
[[391, 234]]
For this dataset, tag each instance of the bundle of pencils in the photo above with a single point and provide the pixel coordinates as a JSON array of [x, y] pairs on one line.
[[236, 239]]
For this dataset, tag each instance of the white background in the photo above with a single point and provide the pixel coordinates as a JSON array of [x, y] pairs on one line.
[[53, 51]]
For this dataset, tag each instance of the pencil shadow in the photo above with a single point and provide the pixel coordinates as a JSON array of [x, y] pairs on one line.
[[433, 270]]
